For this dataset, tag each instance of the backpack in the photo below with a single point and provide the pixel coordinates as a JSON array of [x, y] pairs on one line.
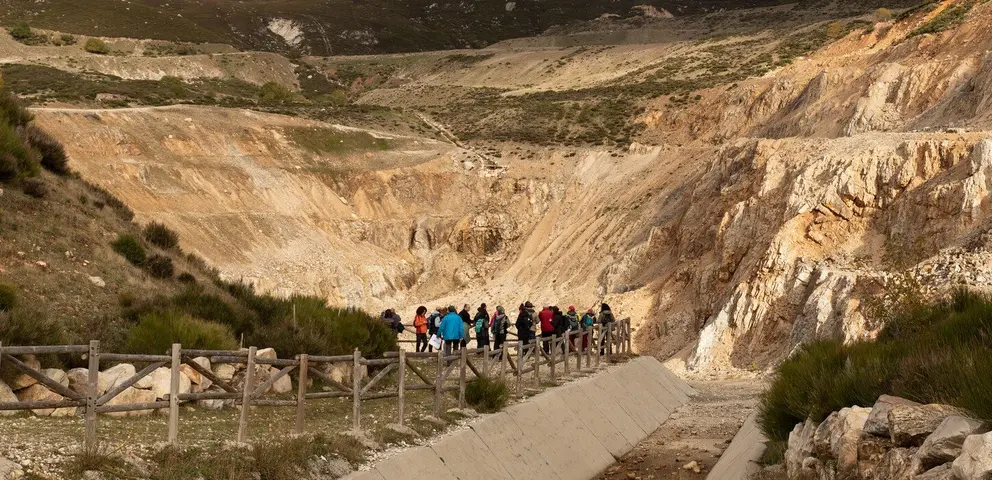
[[573, 321], [588, 320], [499, 324], [399, 327]]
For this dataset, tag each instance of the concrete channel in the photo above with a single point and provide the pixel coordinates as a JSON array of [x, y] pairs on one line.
[[573, 432]]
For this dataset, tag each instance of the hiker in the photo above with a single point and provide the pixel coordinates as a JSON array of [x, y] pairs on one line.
[[572, 318], [452, 330], [588, 320], [605, 320], [547, 327], [482, 327], [420, 326], [433, 324], [500, 325], [467, 324], [560, 323], [392, 320], [525, 323]]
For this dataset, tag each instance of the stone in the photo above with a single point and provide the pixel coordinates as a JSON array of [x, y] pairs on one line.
[[283, 385], [878, 420], [114, 376], [21, 380], [942, 472], [800, 447], [899, 464], [40, 393], [132, 396], [98, 282], [57, 375], [975, 461], [267, 353], [194, 377], [7, 396], [909, 425], [162, 383], [10, 470], [692, 466], [871, 451], [838, 436], [944, 444], [202, 381], [78, 378], [224, 371]]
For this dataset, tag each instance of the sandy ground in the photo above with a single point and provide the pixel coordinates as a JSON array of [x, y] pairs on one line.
[[698, 432]]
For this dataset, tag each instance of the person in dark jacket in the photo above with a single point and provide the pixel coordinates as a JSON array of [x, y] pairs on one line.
[[547, 317], [433, 323], [605, 319], [467, 321], [572, 318], [560, 324], [500, 325], [392, 320], [525, 323], [481, 327]]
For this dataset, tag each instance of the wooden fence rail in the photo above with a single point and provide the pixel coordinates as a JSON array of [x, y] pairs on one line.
[[585, 348]]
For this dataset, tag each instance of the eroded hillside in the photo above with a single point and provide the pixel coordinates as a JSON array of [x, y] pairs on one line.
[[736, 195]]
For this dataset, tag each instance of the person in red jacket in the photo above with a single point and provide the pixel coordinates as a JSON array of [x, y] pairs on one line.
[[547, 327]]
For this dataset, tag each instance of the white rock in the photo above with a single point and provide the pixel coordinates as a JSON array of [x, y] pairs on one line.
[[283, 385], [204, 382], [800, 447], [267, 353], [7, 396], [98, 282], [132, 396], [39, 393], [224, 371], [878, 420], [975, 461], [942, 472], [909, 425], [114, 376], [21, 380], [162, 383], [78, 378], [944, 444], [57, 375], [844, 434]]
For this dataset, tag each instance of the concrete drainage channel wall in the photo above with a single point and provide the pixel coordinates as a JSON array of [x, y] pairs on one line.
[[740, 460], [567, 433]]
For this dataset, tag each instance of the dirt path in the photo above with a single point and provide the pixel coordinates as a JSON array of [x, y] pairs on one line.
[[697, 432]]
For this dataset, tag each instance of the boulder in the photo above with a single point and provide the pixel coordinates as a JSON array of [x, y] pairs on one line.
[[871, 451], [269, 353], [10, 470], [132, 396], [40, 393], [878, 420], [57, 375], [78, 378], [114, 376], [283, 385], [899, 464], [195, 376], [224, 371], [7, 396], [942, 472], [909, 425], [838, 436], [17, 380], [944, 444], [161, 380], [800, 447], [975, 461]]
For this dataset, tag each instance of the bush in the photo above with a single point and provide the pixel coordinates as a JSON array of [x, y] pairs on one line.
[[21, 32], [8, 297], [68, 39], [95, 45], [130, 248], [274, 93], [156, 332], [186, 278], [882, 15], [17, 160], [161, 236], [25, 326], [34, 187], [12, 111], [487, 395], [160, 266], [197, 303], [929, 353], [949, 17], [53, 156]]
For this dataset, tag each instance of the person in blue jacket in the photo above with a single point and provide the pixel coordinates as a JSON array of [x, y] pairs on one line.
[[451, 331]]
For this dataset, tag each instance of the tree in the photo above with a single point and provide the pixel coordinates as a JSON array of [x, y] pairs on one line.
[[21, 32], [882, 15]]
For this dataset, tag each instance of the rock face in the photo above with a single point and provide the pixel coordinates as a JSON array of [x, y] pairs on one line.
[[944, 444], [909, 425], [975, 461]]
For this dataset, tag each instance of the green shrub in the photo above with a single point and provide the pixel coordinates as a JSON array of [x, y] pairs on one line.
[[274, 93], [8, 297], [160, 266], [194, 301], [17, 160], [487, 395], [53, 156], [95, 45], [27, 326], [13, 112], [34, 187], [21, 32], [186, 278], [882, 15], [156, 332], [67, 39], [949, 17], [161, 236], [929, 353], [130, 248]]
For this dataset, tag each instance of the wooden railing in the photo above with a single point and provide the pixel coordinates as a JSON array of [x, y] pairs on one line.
[[516, 359]]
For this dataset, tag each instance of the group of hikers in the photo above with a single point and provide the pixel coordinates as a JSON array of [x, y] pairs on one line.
[[455, 328]]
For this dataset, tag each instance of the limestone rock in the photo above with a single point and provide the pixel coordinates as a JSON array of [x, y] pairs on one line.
[[837, 438], [39, 393], [871, 452], [944, 444], [7, 396], [224, 371], [199, 380], [21, 380], [162, 383], [283, 385], [114, 376], [909, 425], [57, 375], [899, 464], [942, 472], [10, 470], [131, 396], [267, 353], [975, 461], [78, 378], [878, 420], [800, 448]]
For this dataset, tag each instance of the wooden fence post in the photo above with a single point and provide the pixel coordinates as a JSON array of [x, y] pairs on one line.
[[174, 395], [554, 359], [503, 360], [402, 383], [246, 396], [92, 392], [599, 344], [536, 352], [520, 366], [485, 361], [301, 393], [461, 378], [438, 383], [567, 345], [630, 338], [356, 383]]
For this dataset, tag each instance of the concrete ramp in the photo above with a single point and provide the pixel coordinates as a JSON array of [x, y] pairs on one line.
[[740, 459], [568, 433]]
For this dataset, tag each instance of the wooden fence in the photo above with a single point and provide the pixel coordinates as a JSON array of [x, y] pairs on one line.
[[516, 359]]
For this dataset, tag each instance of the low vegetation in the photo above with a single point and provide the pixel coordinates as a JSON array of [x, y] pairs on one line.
[[156, 332], [95, 45], [928, 352], [161, 236], [487, 395], [129, 247], [952, 16]]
